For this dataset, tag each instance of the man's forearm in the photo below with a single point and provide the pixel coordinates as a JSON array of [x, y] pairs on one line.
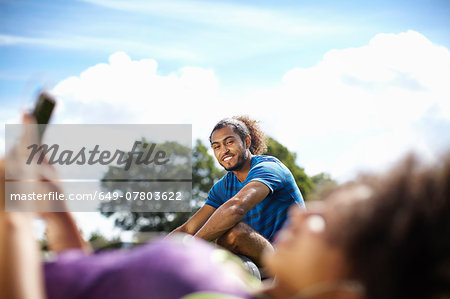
[[180, 229], [233, 211], [223, 219], [193, 225]]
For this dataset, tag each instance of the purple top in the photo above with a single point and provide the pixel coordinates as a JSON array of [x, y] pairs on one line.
[[160, 269]]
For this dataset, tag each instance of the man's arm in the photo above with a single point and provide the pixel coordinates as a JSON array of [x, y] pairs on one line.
[[233, 211], [195, 222]]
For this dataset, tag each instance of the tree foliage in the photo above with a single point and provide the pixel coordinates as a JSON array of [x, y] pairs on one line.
[[322, 181], [276, 149], [204, 172], [204, 175]]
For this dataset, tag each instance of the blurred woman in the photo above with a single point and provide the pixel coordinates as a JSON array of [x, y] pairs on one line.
[[379, 237]]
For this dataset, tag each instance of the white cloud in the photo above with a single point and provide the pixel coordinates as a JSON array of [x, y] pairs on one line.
[[357, 107], [373, 98], [127, 91]]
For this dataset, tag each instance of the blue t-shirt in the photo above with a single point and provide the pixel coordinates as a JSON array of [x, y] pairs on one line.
[[268, 216]]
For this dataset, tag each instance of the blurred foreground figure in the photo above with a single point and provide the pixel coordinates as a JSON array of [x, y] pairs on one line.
[[379, 237]]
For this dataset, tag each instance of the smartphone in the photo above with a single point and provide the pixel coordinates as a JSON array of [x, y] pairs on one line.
[[43, 111]]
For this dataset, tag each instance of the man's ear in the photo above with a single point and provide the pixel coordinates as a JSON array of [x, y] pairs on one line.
[[248, 141]]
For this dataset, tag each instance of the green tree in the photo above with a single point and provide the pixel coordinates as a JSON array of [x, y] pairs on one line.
[[98, 241], [322, 181], [204, 175], [276, 149]]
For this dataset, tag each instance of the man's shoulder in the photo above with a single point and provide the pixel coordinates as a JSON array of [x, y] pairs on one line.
[[264, 158], [267, 161], [268, 166]]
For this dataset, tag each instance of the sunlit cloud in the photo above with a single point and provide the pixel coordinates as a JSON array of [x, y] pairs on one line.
[[365, 107], [133, 91]]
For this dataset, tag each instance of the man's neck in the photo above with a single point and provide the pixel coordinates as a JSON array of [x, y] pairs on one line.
[[241, 174]]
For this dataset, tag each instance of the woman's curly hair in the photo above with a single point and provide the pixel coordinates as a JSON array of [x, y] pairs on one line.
[[398, 242], [243, 126]]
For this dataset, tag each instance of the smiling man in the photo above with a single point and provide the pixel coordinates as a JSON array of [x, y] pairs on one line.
[[249, 204]]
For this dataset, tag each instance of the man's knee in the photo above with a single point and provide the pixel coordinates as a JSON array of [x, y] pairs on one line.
[[235, 236]]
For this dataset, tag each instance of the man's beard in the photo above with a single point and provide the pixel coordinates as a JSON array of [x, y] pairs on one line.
[[238, 165]]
